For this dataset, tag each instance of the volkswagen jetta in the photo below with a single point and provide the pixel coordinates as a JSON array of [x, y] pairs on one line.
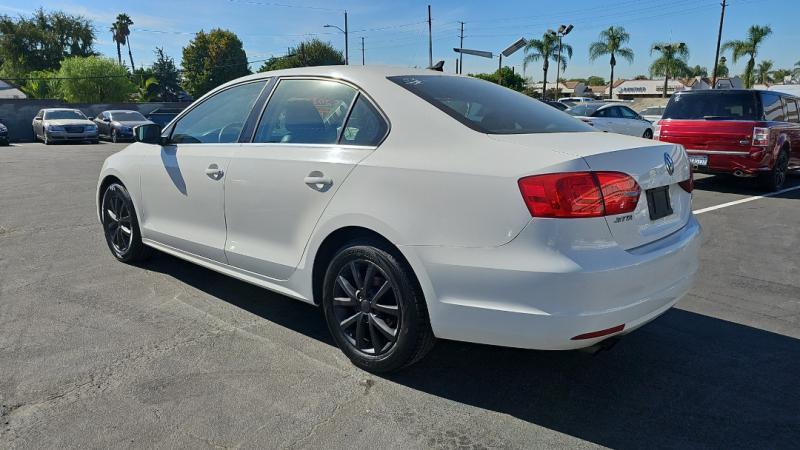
[[412, 205]]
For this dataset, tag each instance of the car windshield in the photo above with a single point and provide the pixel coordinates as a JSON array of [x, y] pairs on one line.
[[63, 114], [717, 106], [488, 108], [127, 116], [584, 109]]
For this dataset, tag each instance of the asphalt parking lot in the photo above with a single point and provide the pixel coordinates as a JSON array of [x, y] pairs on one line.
[[98, 354]]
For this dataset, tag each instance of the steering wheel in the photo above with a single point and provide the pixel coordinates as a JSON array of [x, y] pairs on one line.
[[229, 133]]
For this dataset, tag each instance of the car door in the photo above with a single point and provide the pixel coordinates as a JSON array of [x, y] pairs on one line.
[[603, 120], [182, 183], [279, 184], [791, 108], [631, 123]]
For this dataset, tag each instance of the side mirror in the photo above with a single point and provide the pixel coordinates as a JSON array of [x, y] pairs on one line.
[[106, 119], [149, 134]]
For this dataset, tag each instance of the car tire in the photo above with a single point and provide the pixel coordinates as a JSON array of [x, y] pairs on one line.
[[776, 178], [648, 134], [392, 330], [121, 225], [114, 137]]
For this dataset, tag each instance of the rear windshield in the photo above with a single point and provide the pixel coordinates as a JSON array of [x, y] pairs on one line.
[[717, 106], [61, 114], [584, 109], [127, 116], [487, 107]]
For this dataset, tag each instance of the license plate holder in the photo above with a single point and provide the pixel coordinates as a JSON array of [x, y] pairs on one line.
[[658, 202], [698, 160]]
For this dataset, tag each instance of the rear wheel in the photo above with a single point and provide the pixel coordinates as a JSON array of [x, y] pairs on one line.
[[776, 178], [648, 134], [374, 309], [121, 225], [114, 137]]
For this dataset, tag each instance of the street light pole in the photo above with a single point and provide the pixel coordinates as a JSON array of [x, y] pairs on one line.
[[346, 53], [719, 39], [362, 50], [461, 55], [563, 30]]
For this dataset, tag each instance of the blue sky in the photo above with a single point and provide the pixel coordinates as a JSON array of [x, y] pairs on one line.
[[395, 32]]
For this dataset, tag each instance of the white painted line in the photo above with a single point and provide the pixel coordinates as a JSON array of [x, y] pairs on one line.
[[745, 200]]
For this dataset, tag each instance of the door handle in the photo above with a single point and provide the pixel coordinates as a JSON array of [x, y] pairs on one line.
[[317, 180], [214, 172]]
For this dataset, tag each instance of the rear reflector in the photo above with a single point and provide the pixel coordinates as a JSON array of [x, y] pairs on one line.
[[597, 334], [579, 194]]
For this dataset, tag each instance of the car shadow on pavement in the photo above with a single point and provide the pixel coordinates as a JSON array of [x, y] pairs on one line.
[[728, 184], [684, 380]]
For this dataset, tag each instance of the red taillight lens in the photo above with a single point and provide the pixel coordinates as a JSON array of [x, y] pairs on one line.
[[688, 185], [579, 194], [760, 137]]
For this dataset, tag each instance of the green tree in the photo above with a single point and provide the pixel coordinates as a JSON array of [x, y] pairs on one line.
[[509, 78], [749, 47], [41, 41], [722, 69], [309, 53], [641, 77], [212, 59], [121, 31], [611, 43], [41, 84], [167, 76], [697, 71], [545, 50], [764, 71], [93, 79], [594, 80], [670, 63]]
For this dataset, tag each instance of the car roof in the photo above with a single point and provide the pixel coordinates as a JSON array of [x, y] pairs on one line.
[[60, 109], [112, 111]]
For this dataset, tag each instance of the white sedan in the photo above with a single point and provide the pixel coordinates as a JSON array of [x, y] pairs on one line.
[[613, 118], [412, 205]]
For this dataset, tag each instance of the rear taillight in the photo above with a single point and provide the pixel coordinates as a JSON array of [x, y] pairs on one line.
[[760, 137], [656, 131], [579, 194], [688, 185]]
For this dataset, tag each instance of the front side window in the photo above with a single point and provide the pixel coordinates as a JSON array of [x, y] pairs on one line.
[[220, 118], [488, 108], [305, 112], [628, 113], [773, 107]]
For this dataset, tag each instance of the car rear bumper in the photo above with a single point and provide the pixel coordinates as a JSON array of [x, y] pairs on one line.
[[742, 163], [529, 294]]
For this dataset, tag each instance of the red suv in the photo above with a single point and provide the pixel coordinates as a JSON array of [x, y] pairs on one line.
[[746, 133]]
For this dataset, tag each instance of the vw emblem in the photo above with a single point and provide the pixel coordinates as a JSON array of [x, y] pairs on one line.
[[669, 163]]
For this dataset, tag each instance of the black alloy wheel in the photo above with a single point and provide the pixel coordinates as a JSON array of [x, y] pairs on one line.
[[121, 226], [776, 178]]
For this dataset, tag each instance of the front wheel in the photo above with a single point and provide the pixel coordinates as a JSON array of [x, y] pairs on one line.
[[648, 134], [121, 225], [776, 178], [374, 308], [114, 137]]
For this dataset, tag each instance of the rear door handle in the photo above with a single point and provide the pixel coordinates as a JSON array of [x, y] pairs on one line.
[[317, 180], [214, 172]]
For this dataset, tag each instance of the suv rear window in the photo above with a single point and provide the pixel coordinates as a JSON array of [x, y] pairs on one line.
[[488, 108], [717, 106]]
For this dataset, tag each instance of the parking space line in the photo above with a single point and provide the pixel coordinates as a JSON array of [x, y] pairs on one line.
[[745, 200]]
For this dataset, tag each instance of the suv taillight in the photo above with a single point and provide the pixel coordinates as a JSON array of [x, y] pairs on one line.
[[760, 137], [579, 194], [656, 131]]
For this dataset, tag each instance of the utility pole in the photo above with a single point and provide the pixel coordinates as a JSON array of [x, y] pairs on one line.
[[430, 39], [460, 66], [500, 69], [719, 39], [346, 53], [362, 50]]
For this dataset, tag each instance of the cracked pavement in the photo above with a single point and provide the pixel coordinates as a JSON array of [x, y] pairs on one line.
[[98, 354]]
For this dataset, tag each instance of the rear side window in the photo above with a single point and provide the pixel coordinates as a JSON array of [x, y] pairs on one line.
[[720, 105], [488, 108], [773, 107], [792, 113], [365, 126]]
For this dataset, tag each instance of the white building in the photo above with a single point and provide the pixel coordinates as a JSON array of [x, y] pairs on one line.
[[634, 89]]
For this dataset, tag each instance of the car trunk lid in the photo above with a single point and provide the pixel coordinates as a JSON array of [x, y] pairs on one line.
[[710, 135]]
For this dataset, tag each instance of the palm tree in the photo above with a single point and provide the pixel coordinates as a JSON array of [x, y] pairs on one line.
[[546, 49], [796, 70], [755, 36], [611, 42], [671, 63], [121, 32], [764, 71]]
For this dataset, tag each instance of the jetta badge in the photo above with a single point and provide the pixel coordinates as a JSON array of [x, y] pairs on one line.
[[669, 163]]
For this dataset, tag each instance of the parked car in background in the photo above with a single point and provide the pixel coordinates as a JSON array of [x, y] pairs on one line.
[[612, 118], [163, 116], [117, 125], [747, 133], [520, 226], [570, 101], [63, 125], [557, 105], [3, 133], [652, 114]]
